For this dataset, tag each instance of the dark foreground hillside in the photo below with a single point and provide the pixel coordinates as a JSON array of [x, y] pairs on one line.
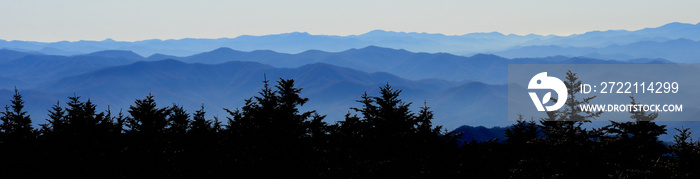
[[270, 138]]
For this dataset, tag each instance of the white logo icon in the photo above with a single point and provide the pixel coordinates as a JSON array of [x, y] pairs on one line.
[[542, 81]]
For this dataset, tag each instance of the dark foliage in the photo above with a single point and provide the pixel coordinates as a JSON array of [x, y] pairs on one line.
[[269, 137]]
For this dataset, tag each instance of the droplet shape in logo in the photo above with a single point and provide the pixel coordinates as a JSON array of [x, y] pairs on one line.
[[546, 97]]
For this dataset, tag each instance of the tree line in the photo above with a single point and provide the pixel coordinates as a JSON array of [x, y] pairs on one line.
[[268, 137]]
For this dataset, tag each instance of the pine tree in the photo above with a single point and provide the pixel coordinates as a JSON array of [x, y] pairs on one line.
[[17, 140], [522, 132], [686, 155], [389, 140], [56, 119], [524, 139], [565, 124], [179, 121], [270, 130], [200, 125], [572, 146], [16, 124], [148, 149], [83, 119], [146, 118], [633, 148], [119, 122]]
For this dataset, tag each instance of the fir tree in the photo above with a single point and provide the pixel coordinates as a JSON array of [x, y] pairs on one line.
[[270, 130], [686, 155], [573, 152], [633, 148], [16, 124], [148, 148], [389, 140], [179, 121], [146, 118], [17, 140], [56, 119], [522, 132]]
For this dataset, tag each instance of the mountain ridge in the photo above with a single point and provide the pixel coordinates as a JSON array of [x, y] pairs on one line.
[[297, 42], [116, 78], [677, 50]]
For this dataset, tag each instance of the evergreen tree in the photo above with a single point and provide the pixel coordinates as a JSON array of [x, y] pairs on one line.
[[112, 124], [17, 139], [179, 121], [272, 134], [120, 119], [686, 155], [202, 155], [522, 132], [56, 119], [565, 124], [573, 151], [389, 140], [83, 119], [634, 147], [200, 125], [527, 150], [16, 124], [148, 149], [81, 139], [146, 118]]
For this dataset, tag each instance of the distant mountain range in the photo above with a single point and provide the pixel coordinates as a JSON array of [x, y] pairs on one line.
[[481, 133], [28, 70], [116, 78], [461, 90], [678, 50], [676, 42], [461, 77], [34, 69], [490, 69]]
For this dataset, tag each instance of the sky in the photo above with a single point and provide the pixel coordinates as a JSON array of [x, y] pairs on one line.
[[132, 20]]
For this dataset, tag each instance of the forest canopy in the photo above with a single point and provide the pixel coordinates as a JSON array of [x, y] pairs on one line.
[[269, 137]]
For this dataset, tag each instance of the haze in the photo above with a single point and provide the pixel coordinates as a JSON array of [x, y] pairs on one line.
[[131, 20]]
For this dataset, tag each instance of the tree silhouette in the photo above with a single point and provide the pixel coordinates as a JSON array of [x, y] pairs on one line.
[[388, 140], [573, 151], [83, 121], [146, 118], [79, 138], [17, 139], [522, 132], [16, 125], [148, 147], [634, 147], [566, 122], [686, 155], [272, 134], [178, 121], [269, 137], [56, 119], [200, 125]]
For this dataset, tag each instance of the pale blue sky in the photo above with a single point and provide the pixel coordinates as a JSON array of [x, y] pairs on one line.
[[129, 20]]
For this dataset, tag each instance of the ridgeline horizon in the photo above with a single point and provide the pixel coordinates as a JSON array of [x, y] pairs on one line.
[[111, 39], [660, 42]]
